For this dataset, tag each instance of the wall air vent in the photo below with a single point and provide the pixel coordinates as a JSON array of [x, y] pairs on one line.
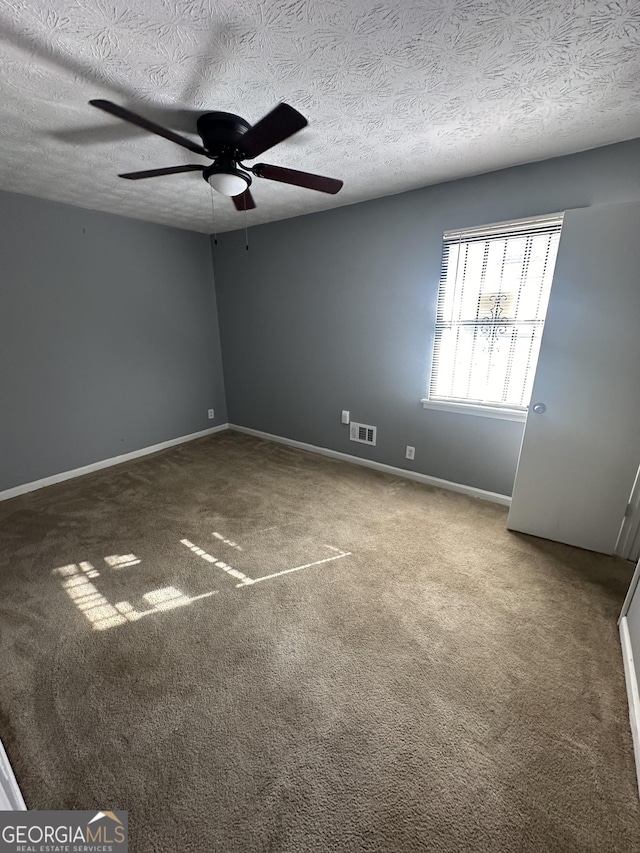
[[363, 433]]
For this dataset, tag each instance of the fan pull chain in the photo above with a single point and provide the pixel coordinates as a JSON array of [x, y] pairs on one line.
[[213, 213], [246, 233]]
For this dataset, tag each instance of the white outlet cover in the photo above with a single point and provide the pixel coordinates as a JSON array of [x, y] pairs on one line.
[[211, 414]]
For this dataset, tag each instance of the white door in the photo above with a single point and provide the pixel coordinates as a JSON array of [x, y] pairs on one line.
[[629, 623], [580, 454], [628, 544]]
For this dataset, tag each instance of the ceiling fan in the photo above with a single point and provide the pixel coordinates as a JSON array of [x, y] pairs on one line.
[[228, 141]]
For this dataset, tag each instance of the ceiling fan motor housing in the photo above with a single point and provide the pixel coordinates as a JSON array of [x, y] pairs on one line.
[[221, 133]]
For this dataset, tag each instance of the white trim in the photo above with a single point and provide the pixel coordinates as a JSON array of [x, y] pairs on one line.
[[482, 494], [628, 542], [632, 692], [551, 220], [105, 463], [10, 795], [632, 588], [499, 412]]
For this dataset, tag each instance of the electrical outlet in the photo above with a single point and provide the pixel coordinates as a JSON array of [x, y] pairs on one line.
[[211, 415], [410, 453], [345, 416]]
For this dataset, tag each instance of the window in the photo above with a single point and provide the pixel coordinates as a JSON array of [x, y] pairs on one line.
[[492, 301]]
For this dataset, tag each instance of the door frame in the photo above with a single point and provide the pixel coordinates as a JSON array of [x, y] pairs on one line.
[[628, 542], [631, 681], [10, 794]]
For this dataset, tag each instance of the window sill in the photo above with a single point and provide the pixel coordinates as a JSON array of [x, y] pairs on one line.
[[499, 412]]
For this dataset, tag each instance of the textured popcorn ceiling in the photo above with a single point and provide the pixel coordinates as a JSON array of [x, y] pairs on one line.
[[398, 94]]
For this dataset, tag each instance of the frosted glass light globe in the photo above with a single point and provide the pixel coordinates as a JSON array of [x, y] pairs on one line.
[[228, 184]]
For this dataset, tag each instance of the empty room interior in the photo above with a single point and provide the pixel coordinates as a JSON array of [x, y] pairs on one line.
[[319, 477]]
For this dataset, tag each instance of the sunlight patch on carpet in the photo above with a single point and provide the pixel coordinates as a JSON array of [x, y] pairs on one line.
[[273, 549], [101, 613], [267, 554]]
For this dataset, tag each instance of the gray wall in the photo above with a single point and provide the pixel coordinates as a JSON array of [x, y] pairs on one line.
[[108, 337], [335, 311]]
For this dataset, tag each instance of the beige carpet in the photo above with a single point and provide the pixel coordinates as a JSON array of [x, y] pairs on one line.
[[428, 682]]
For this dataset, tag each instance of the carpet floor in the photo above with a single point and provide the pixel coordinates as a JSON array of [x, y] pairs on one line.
[[251, 648]]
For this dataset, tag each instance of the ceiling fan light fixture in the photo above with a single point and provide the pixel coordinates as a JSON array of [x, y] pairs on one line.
[[229, 182]]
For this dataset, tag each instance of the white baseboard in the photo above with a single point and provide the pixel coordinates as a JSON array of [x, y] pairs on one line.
[[105, 463], [482, 494], [633, 695], [10, 796], [494, 497]]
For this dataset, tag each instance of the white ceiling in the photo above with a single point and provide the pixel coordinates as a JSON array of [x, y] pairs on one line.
[[398, 94]]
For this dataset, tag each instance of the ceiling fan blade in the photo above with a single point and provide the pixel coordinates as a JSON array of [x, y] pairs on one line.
[[298, 179], [156, 173], [145, 124], [244, 201], [281, 123]]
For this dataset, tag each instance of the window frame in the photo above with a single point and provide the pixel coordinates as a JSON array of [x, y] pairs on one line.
[[502, 411]]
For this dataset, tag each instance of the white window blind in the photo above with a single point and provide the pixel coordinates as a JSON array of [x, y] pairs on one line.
[[492, 301]]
